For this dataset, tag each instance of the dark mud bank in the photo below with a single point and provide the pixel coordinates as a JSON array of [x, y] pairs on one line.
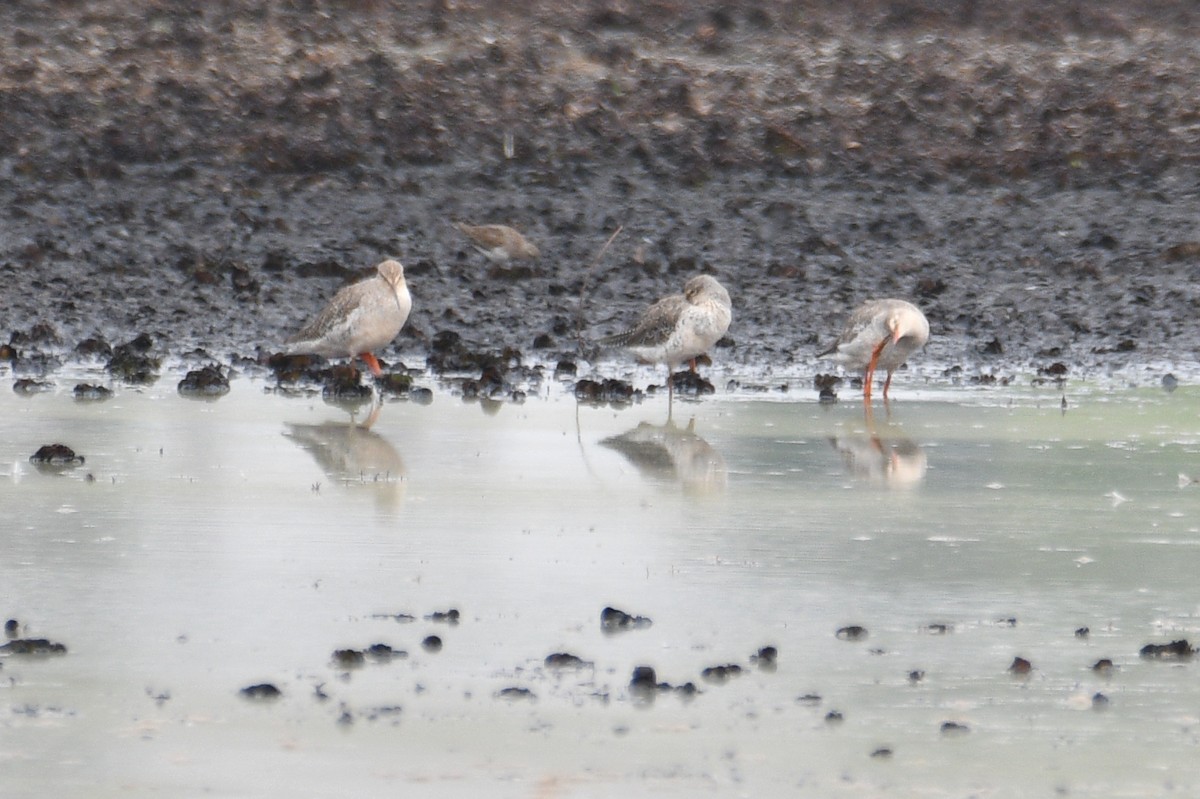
[[210, 176]]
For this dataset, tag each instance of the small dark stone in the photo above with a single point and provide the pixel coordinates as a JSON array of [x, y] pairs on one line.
[[27, 386], [882, 753], [1056, 369], [384, 652], [395, 384], [421, 395], [132, 363], [1011, 621], [939, 628], [1020, 666], [834, 717], [916, 675], [207, 382], [446, 617], [32, 646], [1099, 701], [432, 643], [954, 728], [402, 618], [565, 660], [348, 658], [261, 691], [1103, 666], [88, 392], [56, 455], [644, 679], [611, 390], [809, 699], [993, 347], [516, 694], [94, 347], [852, 633], [613, 620], [1176, 650], [11, 628], [42, 333], [343, 383], [687, 690], [564, 370], [8, 353], [1082, 632], [1169, 382], [691, 384], [765, 658], [543, 341], [720, 674]]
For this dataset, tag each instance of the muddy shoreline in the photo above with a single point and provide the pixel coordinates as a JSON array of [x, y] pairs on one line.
[[211, 176]]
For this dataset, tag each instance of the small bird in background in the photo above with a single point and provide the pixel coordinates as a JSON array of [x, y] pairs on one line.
[[360, 318], [879, 334], [499, 243], [679, 327]]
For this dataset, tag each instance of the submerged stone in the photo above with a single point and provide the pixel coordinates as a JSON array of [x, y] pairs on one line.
[[262, 691], [614, 620], [206, 383], [89, 392], [56, 455], [33, 646]]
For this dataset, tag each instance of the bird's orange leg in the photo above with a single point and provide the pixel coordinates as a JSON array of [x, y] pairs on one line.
[[371, 363], [869, 377], [886, 383], [692, 365]]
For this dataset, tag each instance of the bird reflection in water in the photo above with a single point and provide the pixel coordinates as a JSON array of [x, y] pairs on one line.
[[882, 456], [668, 453], [351, 453]]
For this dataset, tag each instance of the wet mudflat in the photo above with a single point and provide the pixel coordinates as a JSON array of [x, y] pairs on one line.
[[902, 568]]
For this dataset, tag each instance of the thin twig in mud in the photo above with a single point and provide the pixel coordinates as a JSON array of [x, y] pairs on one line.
[[579, 325]]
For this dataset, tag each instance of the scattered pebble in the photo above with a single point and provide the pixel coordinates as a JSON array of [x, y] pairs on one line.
[[617, 392], [262, 691], [954, 728], [450, 616], [384, 652], [834, 717], [207, 382], [1020, 666], [1176, 650], [765, 658], [916, 675], [852, 633], [613, 620], [721, 674], [27, 386], [59, 455], [882, 753], [32, 646], [565, 660], [516, 694], [1082, 632], [644, 679], [1103, 666], [1099, 701], [90, 392], [432, 643], [348, 658]]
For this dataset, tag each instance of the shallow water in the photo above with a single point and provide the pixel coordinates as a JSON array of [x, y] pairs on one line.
[[223, 544]]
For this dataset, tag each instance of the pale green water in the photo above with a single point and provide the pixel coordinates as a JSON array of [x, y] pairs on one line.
[[241, 541]]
